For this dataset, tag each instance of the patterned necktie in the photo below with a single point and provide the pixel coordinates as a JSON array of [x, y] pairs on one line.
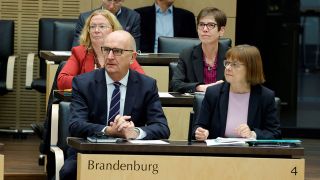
[[115, 102]]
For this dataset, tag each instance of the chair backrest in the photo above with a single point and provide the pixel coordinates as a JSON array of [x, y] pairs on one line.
[[197, 102], [63, 126], [177, 44], [226, 41], [278, 106], [172, 69], [63, 35], [47, 41], [6, 49]]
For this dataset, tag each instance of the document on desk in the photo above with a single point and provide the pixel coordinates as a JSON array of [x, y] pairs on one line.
[[61, 53], [165, 94], [228, 141], [148, 142]]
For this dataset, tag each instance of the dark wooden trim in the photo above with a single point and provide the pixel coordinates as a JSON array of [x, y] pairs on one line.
[[182, 148]]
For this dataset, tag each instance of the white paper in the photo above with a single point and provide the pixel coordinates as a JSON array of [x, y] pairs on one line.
[[165, 94], [143, 54], [61, 53], [228, 141], [148, 142]]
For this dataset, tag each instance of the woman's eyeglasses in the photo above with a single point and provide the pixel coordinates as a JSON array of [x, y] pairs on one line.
[[100, 27], [208, 25], [233, 64]]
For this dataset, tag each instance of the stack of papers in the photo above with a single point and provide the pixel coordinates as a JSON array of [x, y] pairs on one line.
[[148, 142], [228, 141], [165, 94]]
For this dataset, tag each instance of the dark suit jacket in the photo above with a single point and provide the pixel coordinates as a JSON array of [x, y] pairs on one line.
[[89, 105], [183, 24], [262, 116], [129, 20], [189, 71]]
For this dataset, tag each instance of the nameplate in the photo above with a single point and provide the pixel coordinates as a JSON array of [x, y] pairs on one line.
[[157, 167]]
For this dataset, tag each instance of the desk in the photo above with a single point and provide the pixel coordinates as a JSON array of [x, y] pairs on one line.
[[154, 65], [178, 160], [177, 110]]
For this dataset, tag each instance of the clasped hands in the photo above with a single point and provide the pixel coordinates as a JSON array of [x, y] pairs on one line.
[[123, 127], [243, 131]]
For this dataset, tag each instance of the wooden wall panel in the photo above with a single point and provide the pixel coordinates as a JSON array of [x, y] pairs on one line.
[[22, 107]]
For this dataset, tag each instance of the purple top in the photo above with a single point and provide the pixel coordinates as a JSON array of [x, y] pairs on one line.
[[210, 73], [237, 112]]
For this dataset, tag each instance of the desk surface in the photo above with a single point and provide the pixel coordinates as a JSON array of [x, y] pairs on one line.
[[151, 59], [48, 55], [160, 59], [178, 100], [182, 148]]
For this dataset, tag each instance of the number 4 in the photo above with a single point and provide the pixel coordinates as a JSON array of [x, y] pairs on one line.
[[294, 171]]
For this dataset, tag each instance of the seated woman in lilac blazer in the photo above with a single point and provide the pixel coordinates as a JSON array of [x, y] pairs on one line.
[[241, 106]]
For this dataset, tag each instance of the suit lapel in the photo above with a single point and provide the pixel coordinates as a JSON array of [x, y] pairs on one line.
[[131, 94], [152, 24], [197, 62], [176, 26], [101, 92], [224, 101], [253, 104]]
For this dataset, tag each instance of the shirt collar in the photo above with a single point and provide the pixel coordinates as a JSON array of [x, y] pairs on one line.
[[158, 10], [123, 81], [118, 13]]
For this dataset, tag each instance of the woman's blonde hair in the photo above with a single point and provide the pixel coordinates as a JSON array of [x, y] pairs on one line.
[[251, 58], [85, 35]]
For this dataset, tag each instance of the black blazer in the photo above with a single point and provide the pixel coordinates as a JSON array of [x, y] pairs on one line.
[[189, 71], [262, 118], [89, 105], [129, 20], [183, 25]]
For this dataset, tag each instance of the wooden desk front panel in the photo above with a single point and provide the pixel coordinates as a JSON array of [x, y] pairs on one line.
[[178, 120], [1, 166], [161, 74], [160, 167]]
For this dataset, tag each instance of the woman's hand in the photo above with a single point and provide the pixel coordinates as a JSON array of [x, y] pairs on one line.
[[201, 134], [244, 131]]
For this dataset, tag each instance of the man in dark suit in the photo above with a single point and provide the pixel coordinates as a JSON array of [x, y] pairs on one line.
[[163, 19], [140, 115], [129, 19]]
